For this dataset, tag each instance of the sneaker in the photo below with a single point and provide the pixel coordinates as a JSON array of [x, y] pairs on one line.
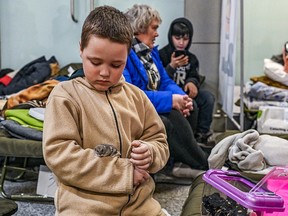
[[184, 171], [205, 140]]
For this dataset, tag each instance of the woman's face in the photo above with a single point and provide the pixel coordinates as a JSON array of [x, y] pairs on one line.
[[149, 37]]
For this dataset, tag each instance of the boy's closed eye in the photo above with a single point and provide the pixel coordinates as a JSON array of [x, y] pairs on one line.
[[96, 64], [113, 65], [116, 65], [95, 61]]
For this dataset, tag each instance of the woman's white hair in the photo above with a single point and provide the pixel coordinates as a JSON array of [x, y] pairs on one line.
[[140, 17]]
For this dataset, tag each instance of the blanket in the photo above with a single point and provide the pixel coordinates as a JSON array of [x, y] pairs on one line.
[[250, 151]]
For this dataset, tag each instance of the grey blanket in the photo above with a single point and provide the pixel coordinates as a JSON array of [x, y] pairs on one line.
[[250, 151]]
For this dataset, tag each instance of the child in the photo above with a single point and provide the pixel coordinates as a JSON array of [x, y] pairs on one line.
[[101, 108], [184, 70]]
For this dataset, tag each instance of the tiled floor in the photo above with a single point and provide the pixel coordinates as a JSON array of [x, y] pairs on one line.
[[172, 197]]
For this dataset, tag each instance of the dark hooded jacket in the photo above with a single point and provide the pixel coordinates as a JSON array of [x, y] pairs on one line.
[[184, 74], [34, 72]]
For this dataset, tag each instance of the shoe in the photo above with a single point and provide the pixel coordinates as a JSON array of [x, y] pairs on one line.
[[208, 145], [205, 140], [203, 137], [184, 171]]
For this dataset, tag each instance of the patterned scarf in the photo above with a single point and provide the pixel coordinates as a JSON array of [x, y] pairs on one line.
[[144, 54]]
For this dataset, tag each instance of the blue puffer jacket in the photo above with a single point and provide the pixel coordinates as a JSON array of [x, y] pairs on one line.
[[135, 73]]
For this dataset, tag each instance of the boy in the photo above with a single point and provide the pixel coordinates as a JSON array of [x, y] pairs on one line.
[[101, 108], [184, 70]]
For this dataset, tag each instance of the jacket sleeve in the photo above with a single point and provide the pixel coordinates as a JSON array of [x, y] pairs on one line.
[[193, 73], [166, 82], [135, 74], [154, 135], [165, 57], [170, 71]]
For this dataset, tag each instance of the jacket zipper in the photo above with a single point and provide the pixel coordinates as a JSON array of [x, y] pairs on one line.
[[120, 140], [117, 124]]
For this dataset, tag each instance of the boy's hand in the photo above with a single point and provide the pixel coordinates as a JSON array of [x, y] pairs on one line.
[[139, 176], [192, 89], [140, 155], [178, 61]]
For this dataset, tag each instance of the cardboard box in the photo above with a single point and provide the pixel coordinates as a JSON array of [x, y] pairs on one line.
[[46, 184]]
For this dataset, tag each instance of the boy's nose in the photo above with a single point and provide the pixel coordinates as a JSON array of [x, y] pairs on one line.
[[104, 72]]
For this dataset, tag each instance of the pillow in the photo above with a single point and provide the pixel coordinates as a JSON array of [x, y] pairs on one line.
[[275, 71]]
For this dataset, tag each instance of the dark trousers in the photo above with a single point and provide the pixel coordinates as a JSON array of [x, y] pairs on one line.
[[205, 101], [182, 144]]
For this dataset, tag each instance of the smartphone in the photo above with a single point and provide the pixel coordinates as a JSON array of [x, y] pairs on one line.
[[180, 52], [286, 48]]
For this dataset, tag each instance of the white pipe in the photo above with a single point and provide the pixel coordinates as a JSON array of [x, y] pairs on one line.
[[91, 5], [72, 11], [241, 65]]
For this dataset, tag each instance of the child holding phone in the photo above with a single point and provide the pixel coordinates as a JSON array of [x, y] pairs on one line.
[[183, 67]]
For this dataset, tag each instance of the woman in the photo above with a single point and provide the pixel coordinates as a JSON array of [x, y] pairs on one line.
[[145, 70]]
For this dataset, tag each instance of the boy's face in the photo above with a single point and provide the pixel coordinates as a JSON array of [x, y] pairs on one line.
[[180, 42], [103, 62], [149, 37]]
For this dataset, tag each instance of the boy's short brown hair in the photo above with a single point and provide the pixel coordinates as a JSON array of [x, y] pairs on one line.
[[107, 22]]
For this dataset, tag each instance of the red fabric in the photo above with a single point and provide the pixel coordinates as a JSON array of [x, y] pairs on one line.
[[5, 80]]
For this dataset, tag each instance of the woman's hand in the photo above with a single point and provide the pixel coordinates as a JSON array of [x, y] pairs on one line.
[[182, 103], [178, 61]]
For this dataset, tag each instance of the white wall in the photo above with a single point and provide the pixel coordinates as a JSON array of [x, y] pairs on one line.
[[168, 9], [205, 16], [32, 28], [265, 32]]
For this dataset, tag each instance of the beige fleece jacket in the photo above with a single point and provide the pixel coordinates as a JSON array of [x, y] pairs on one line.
[[77, 118]]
